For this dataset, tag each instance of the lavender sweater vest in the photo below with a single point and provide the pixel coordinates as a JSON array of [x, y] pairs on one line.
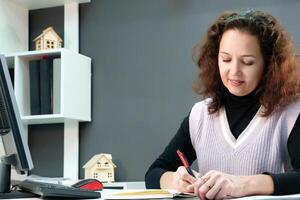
[[261, 147]]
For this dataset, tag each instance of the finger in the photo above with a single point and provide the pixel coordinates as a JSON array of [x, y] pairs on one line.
[[219, 195], [177, 180], [188, 178], [184, 175], [209, 180], [215, 187], [202, 197], [212, 177], [224, 193], [185, 186], [215, 183], [179, 173], [211, 174], [197, 184], [181, 184], [203, 189]]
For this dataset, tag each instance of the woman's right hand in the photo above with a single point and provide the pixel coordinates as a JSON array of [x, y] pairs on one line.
[[183, 181]]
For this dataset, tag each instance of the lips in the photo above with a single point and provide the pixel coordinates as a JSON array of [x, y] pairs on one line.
[[236, 82]]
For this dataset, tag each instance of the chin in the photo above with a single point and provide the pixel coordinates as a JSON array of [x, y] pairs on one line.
[[238, 93]]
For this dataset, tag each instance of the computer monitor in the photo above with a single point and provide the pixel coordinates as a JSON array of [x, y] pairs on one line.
[[16, 150]]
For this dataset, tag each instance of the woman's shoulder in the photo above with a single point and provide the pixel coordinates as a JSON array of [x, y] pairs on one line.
[[291, 111], [200, 107], [197, 114], [290, 114], [201, 104], [293, 107]]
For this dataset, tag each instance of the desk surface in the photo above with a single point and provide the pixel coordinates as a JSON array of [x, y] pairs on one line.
[[141, 185], [287, 197]]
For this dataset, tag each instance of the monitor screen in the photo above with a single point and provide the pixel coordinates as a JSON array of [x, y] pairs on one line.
[[16, 150]]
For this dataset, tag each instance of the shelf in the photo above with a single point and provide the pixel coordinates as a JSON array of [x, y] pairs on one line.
[[75, 74], [37, 4], [43, 119], [73, 93], [36, 53]]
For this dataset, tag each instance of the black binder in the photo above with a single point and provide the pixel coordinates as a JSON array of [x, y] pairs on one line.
[[34, 82], [46, 85]]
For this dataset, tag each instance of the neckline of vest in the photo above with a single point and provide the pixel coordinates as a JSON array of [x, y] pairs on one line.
[[246, 133]]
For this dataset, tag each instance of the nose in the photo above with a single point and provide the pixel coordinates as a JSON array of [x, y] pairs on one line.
[[235, 68]]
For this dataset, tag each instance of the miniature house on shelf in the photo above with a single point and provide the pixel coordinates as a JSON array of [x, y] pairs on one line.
[[49, 39], [100, 167]]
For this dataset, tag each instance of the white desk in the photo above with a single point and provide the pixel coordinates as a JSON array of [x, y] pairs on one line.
[[141, 185]]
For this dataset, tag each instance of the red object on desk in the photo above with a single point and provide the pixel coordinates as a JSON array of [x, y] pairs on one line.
[[89, 184], [185, 162]]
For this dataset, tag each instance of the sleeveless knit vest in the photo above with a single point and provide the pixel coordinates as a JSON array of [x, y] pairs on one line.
[[261, 147]]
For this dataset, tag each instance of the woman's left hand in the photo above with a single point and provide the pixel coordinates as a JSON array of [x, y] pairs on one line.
[[219, 185]]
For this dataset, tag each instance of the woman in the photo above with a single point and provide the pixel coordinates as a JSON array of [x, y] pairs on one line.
[[246, 134]]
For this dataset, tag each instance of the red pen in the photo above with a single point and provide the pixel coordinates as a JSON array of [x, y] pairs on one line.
[[185, 162]]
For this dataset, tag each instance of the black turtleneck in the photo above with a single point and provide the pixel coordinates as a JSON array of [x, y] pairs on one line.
[[239, 112]]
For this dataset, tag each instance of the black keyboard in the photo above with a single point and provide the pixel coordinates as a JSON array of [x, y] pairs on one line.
[[52, 190]]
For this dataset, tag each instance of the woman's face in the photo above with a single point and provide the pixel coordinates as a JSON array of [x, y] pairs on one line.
[[240, 62]]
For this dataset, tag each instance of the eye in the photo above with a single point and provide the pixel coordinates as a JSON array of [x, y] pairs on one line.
[[226, 60], [248, 62]]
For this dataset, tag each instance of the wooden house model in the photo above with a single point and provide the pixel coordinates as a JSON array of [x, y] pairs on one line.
[[100, 167], [49, 39]]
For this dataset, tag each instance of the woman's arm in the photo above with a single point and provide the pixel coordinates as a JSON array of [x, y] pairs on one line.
[[260, 184], [159, 175], [288, 182]]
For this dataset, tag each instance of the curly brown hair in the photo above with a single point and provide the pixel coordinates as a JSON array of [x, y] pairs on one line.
[[280, 82]]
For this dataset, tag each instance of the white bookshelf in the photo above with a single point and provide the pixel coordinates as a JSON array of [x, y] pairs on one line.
[[74, 91], [75, 75]]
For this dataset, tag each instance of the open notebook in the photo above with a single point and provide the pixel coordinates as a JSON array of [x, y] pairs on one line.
[[146, 194], [163, 194]]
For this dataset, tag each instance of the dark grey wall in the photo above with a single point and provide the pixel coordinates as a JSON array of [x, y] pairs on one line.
[[46, 147], [143, 71]]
